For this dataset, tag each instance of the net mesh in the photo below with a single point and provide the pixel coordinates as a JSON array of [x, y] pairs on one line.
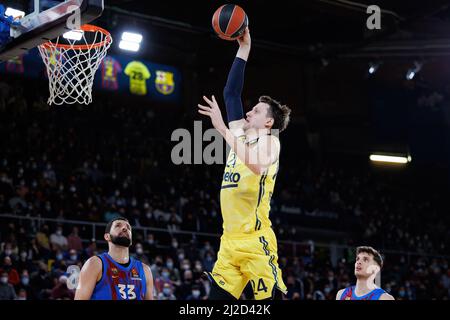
[[72, 64]]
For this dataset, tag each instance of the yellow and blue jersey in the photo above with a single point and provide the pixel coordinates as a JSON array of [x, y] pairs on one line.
[[245, 196], [138, 73]]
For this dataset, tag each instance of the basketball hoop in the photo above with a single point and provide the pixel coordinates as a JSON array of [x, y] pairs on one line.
[[72, 63]]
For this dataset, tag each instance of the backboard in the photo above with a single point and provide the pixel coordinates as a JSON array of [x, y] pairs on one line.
[[41, 26]]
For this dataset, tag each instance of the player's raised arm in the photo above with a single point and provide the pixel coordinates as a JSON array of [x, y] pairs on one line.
[[149, 282], [89, 275], [256, 159], [235, 83]]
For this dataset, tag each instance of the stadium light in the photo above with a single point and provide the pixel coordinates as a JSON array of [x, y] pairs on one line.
[[14, 12], [129, 46], [389, 159], [74, 35], [373, 67], [413, 71], [132, 37], [130, 41]]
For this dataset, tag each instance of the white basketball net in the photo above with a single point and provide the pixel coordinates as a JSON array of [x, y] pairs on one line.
[[71, 67]]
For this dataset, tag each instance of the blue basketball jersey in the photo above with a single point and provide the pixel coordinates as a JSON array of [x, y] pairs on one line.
[[120, 283], [349, 294]]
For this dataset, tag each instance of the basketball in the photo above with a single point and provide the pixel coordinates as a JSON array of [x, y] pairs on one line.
[[229, 22]]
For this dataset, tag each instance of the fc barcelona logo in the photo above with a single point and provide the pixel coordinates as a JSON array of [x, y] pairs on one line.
[[134, 273], [164, 82]]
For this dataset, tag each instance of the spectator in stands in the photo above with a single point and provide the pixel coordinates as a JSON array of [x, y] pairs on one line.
[[60, 290], [208, 261], [294, 286], [166, 293], [157, 265], [43, 241], [198, 269], [42, 281], [174, 272], [151, 244], [57, 240], [74, 241], [24, 263], [34, 251], [9, 251], [73, 257], [25, 285], [91, 249], [186, 286], [163, 279], [22, 295], [140, 255], [6, 290], [13, 275], [195, 294]]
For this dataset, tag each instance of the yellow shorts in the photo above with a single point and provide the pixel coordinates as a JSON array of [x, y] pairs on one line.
[[244, 258]]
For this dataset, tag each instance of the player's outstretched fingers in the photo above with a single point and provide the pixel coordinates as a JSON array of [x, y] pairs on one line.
[[206, 113], [206, 108], [207, 100], [214, 100]]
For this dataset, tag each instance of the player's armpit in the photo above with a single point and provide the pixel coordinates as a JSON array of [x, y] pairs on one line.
[[266, 152], [90, 273], [149, 280], [386, 296]]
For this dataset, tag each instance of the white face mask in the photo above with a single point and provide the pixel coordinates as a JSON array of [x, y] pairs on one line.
[[25, 281]]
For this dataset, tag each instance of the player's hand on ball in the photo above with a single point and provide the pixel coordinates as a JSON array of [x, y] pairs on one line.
[[213, 111], [245, 40]]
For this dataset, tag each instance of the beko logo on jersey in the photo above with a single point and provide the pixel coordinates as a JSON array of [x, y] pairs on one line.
[[231, 177]]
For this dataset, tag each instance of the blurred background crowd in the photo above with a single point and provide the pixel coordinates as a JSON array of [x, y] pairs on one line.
[[65, 172]]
